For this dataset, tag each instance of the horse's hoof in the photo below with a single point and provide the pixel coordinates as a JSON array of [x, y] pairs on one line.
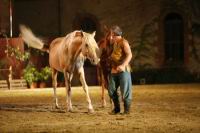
[[56, 107], [104, 105], [70, 110], [90, 111]]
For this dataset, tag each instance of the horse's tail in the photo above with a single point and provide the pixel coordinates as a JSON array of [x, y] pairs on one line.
[[30, 39]]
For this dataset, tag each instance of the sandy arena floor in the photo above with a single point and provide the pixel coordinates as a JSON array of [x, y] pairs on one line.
[[155, 109]]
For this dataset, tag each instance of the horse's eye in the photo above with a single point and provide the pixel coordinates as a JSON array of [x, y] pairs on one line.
[[86, 45]]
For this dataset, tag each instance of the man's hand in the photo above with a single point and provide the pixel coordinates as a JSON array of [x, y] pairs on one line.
[[121, 68]]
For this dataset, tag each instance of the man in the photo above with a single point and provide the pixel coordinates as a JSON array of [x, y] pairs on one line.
[[120, 72]]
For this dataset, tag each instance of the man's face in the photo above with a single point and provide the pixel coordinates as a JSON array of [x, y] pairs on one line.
[[112, 37]]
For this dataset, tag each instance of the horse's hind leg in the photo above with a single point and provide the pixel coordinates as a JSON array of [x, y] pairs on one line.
[[54, 78], [85, 87], [68, 78]]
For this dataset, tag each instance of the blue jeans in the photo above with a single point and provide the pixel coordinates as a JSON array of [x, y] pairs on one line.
[[122, 80]]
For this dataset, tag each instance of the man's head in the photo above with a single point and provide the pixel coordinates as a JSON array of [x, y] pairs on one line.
[[116, 34], [116, 30]]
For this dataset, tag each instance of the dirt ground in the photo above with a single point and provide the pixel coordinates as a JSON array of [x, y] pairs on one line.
[[171, 108]]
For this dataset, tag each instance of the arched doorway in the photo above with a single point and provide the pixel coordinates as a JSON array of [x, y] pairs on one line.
[[88, 23], [174, 40]]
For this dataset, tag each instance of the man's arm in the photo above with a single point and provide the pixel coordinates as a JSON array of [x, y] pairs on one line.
[[128, 53]]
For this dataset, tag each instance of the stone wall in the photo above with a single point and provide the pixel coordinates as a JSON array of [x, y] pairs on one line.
[[137, 18], [4, 16]]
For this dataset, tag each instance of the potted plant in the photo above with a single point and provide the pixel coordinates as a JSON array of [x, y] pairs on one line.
[[44, 76], [31, 75]]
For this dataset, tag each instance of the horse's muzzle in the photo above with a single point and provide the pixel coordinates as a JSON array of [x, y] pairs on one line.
[[95, 61]]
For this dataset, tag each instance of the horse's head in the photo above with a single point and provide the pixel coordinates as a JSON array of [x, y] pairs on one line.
[[105, 44], [106, 48], [90, 48], [106, 40], [108, 37]]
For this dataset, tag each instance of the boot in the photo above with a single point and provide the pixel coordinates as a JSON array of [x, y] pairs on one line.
[[116, 109], [127, 105]]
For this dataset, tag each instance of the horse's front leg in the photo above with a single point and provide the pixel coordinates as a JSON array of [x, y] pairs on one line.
[[102, 84], [54, 78], [68, 91], [85, 88], [103, 87]]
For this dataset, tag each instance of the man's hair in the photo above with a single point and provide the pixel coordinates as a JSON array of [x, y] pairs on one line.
[[116, 30]]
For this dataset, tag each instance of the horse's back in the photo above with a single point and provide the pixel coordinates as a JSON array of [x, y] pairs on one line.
[[55, 43], [59, 49], [54, 53]]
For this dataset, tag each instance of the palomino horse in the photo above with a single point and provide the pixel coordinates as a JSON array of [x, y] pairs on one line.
[[66, 54], [104, 66]]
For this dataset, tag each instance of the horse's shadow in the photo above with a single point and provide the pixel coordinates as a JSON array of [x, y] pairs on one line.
[[30, 108], [41, 108]]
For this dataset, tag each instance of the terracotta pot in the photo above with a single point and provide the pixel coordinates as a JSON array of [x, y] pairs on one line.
[[33, 85], [42, 85]]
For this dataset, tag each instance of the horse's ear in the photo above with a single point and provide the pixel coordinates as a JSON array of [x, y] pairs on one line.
[[94, 33], [105, 28], [81, 32]]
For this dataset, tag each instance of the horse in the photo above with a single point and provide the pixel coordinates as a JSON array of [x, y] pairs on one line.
[[104, 66], [65, 55]]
